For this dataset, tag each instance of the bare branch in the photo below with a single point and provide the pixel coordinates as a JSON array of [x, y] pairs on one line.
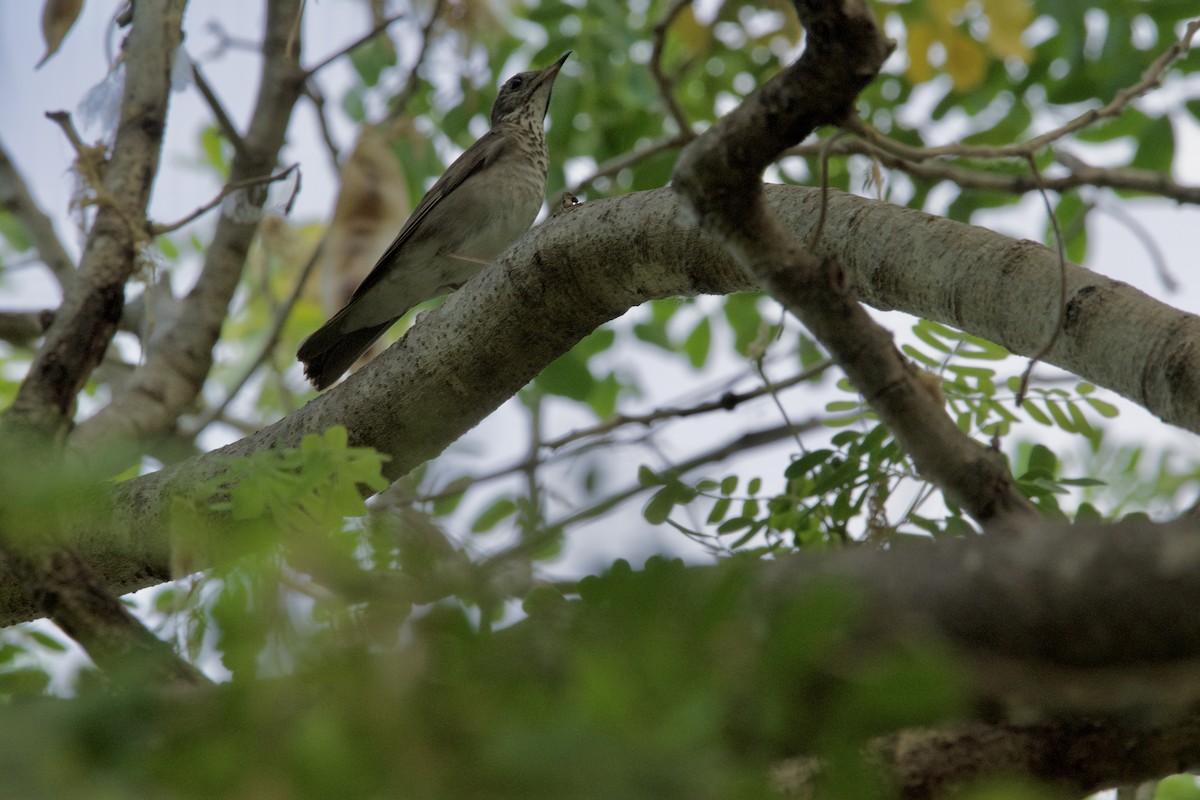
[[268, 346], [1060, 247], [1080, 174], [158, 229], [357, 43], [727, 402], [411, 81], [16, 199], [314, 94], [214, 103], [630, 159], [741, 444], [666, 86], [1147, 241]]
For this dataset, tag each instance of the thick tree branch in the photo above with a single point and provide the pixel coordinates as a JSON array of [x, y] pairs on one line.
[[178, 362], [718, 177], [492, 336], [1078, 757], [81, 604]]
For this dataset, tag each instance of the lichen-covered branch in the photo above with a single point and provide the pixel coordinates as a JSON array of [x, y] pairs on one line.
[[178, 361], [91, 309]]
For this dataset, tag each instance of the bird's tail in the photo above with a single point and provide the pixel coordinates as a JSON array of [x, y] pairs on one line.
[[328, 353]]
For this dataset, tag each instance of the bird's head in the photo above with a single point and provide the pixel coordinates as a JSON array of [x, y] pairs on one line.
[[526, 95]]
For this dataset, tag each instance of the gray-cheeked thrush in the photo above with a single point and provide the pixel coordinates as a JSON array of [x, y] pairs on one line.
[[482, 204]]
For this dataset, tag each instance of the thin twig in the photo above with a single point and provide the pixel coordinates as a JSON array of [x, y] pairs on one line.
[[599, 433], [91, 162], [1081, 174], [317, 98], [531, 520], [1061, 249], [359, 42], [228, 189], [218, 109], [400, 101], [666, 87], [726, 402], [1150, 79], [747, 441], [1157, 257], [630, 159], [268, 346], [826, 149]]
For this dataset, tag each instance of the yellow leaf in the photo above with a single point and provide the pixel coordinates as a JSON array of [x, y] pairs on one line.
[[692, 37], [57, 18], [920, 37], [966, 61], [1009, 19]]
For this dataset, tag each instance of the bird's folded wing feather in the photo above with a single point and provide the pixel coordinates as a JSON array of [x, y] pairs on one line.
[[485, 151]]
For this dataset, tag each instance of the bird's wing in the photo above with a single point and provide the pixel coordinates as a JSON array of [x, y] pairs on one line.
[[486, 150]]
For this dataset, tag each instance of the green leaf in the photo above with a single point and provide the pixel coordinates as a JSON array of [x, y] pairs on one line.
[[603, 399], [451, 495], [654, 333], [1156, 146], [742, 312], [931, 334], [697, 344], [1042, 461], [735, 524], [1060, 416], [660, 506], [1177, 787], [920, 357], [842, 475], [719, 510], [46, 640], [805, 463], [1034, 412], [810, 353], [12, 231], [567, 376], [493, 514], [648, 477], [372, 57], [1107, 410]]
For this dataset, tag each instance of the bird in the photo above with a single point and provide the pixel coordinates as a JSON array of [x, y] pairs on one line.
[[481, 205]]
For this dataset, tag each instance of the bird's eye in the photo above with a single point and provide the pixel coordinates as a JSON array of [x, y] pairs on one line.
[[516, 82]]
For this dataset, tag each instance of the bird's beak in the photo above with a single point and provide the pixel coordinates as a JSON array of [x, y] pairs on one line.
[[557, 65]]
